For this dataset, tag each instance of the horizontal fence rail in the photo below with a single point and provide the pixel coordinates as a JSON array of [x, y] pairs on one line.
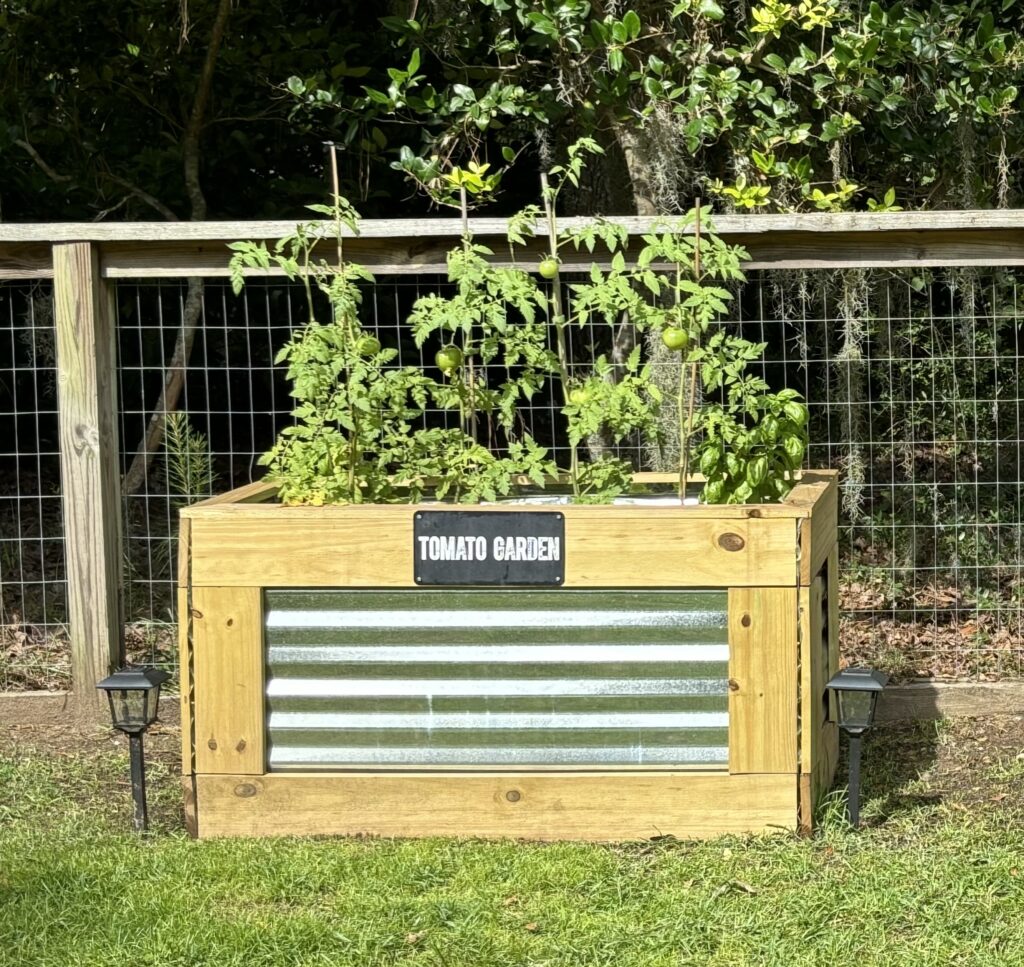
[[903, 331], [417, 246]]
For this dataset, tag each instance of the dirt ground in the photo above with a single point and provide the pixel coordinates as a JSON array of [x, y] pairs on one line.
[[968, 764], [162, 742]]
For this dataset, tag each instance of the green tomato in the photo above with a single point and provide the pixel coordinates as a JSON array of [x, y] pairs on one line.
[[580, 395], [548, 269], [448, 359], [675, 338], [368, 346]]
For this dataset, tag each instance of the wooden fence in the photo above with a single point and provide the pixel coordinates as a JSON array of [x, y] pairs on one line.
[[85, 261]]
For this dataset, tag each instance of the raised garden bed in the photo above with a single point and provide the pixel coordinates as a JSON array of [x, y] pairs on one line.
[[665, 678]]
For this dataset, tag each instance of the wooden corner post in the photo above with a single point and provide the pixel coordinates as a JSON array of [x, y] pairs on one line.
[[87, 408]]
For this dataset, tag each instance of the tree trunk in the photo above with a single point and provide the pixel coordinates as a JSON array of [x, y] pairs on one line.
[[174, 380]]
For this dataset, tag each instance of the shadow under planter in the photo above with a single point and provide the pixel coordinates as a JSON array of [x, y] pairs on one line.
[[664, 675]]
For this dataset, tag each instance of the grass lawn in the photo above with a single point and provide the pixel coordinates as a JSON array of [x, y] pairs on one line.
[[936, 877]]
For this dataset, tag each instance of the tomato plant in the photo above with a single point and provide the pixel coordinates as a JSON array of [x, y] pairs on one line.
[[366, 428]]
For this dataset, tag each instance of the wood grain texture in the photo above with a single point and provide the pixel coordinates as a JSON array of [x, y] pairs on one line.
[[373, 547], [832, 613], [188, 790], [87, 413], [785, 249], [936, 700], [763, 652], [801, 501], [838, 223], [26, 261], [404, 246], [820, 530], [188, 764], [819, 743], [227, 676], [259, 491], [593, 806]]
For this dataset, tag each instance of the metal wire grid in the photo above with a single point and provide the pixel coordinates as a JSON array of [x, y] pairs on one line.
[[33, 638], [912, 381], [915, 395]]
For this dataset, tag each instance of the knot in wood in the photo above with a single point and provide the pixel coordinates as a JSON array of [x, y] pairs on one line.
[[86, 438], [245, 790], [513, 795], [731, 542]]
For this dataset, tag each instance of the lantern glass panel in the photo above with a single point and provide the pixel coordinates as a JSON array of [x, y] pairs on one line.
[[856, 708], [128, 706]]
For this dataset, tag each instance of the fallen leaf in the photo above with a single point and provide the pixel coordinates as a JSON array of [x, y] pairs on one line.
[[532, 927], [413, 938], [510, 901], [738, 885]]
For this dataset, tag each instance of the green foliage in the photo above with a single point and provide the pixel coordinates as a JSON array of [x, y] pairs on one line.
[[747, 441], [353, 412], [923, 99], [753, 444], [623, 407], [361, 430], [187, 462]]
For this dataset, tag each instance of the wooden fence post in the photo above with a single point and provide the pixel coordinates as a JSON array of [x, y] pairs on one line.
[[90, 487]]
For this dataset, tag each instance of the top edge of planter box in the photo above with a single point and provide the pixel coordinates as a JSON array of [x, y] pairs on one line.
[[258, 499], [244, 539]]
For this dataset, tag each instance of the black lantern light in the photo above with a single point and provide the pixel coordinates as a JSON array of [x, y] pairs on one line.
[[134, 695], [856, 691]]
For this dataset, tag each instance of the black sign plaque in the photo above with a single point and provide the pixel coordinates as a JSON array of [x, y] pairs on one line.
[[467, 547]]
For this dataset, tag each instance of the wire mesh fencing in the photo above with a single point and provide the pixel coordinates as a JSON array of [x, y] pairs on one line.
[[911, 379], [33, 633]]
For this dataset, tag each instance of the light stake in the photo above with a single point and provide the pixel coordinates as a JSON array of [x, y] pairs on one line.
[[134, 696], [856, 691]]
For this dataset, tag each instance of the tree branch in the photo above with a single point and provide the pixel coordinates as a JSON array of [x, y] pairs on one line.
[[144, 196], [174, 378], [43, 166], [193, 130]]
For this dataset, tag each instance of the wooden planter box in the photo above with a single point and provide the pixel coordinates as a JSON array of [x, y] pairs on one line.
[[769, 570]]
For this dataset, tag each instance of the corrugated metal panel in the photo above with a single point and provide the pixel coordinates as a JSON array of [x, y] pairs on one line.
[[508, 678]]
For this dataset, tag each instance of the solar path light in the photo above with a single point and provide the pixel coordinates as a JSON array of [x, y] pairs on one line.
[[134, 695], [856, 691]]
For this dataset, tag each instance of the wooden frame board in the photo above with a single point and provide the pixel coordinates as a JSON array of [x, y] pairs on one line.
[[578, 806]]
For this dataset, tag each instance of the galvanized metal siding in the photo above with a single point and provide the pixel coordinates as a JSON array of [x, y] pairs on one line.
[[496, 678]]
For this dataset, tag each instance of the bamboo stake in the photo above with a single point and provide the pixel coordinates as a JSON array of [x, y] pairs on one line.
[[468, 339], [684, 447], [558, 318]]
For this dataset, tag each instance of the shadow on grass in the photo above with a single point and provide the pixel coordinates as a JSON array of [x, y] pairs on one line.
[[896, 761]]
